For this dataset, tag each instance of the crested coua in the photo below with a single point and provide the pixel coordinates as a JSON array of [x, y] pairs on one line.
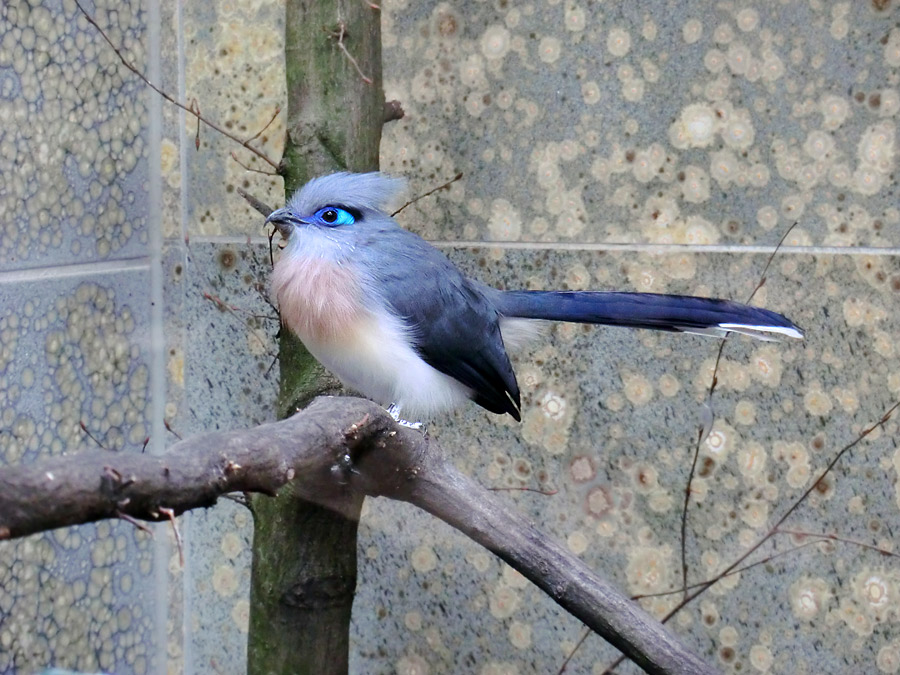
[[395, 320]]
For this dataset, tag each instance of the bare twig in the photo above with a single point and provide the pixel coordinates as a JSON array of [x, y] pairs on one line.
[[138, 524], [338, 35], [91, 436], [701, 436], [171, 430], [257, 204], [247, 167], [393, 110], [193, 108], [843, 451], [822, 536], [762, 277], [429, 193], [234, 309], [170, 514], [266, 126], [546, 493], [239, 498], [738, 570], [565, 664]]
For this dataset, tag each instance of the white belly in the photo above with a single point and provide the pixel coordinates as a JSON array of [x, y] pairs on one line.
[[376, 359]]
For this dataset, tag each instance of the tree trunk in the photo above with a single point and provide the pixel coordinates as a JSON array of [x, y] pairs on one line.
[[304, 556]]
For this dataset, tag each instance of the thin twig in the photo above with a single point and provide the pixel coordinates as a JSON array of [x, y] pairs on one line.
[[247, 167], [239, 498], [584, 636], [138, 524], [271, 253], [429, 193], [843, 540], [546, 493], [172, 431], [339, 36], [843, 451], [701, 436], [170, 514], [709, 582], [233, 311], [91, 436], [257, 204], [762, 278], [193, 109], [267, 125]]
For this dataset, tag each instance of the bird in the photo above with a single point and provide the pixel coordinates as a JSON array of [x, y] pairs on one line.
[[395, 320]]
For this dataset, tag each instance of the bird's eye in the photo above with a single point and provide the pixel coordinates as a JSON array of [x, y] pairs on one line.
[[334, 215]]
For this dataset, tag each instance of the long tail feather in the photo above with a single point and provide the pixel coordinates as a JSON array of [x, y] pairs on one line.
[[682, 313]]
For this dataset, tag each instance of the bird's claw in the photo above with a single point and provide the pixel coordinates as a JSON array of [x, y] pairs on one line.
[[394, 411]]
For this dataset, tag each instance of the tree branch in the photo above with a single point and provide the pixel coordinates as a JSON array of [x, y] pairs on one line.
[[333, 453]]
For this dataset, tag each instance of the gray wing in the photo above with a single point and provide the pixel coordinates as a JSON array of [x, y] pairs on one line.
[[455, 326]]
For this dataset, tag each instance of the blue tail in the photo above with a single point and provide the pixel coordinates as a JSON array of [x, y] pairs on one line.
[[681, 313]]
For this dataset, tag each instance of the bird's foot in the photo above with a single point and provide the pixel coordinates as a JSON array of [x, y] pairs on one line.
[[394, 411]]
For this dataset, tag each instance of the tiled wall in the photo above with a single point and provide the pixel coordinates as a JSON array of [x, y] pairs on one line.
[[653, 146]]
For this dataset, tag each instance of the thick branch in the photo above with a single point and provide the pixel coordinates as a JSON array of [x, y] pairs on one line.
[[333, 452]]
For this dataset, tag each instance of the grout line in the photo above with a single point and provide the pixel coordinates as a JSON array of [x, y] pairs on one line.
[[75, 270], [157, 342], [611, 247]]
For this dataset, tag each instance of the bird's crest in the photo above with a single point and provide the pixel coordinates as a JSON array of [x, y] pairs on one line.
[[361, 191]]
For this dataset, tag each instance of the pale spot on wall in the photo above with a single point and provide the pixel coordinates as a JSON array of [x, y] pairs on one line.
[[575, 19], [513, 578], [240, 615], [649, 569], [691, 31], [695, 186], [761, 658], [232, 545], [747, 19], [695, 127], [412, 664], [549, 49], [480, 560], [752, 460], [505, 223], [577, 542], [520, 634], [637, 388], [495, 42], [423, 558], [668, 385], [817, 402], [618, 42], [590, 91], [413, 621], [504, 602], [224, 580]]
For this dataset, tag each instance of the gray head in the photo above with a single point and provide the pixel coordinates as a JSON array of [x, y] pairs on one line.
[[323, 217]]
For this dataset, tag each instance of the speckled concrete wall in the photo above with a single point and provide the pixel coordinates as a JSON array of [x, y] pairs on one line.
[[658, 146]]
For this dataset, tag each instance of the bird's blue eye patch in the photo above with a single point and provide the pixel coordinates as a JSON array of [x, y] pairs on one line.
[[336, 215]]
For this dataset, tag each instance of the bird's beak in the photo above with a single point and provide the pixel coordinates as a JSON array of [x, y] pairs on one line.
[[284, 220]]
